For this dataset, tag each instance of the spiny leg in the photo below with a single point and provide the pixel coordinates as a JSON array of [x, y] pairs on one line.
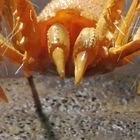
[[4, 45], [122, 50], [109, 20], [24, 32], [25, 26], [21, 27], [6, 49], [127, 24], [128, 49]]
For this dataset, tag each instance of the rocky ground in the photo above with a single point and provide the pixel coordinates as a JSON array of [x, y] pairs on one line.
[[104, 107]]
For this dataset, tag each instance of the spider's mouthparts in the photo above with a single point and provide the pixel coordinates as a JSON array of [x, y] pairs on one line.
[[59, 60], [58, 47], [80, 66]]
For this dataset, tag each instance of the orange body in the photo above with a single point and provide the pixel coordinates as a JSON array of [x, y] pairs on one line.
[[71, 19], [73, 22], [70, 16]]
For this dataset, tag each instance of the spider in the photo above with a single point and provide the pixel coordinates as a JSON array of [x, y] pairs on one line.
[[77, 37]]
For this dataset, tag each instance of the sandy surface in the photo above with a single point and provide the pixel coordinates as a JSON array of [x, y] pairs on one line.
[[101, 108]]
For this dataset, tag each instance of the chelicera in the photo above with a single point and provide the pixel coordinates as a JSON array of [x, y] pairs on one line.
[[78, 38]]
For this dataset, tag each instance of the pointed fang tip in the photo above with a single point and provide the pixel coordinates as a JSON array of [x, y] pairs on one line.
[[80, 66], [59, 60], [3, 96]]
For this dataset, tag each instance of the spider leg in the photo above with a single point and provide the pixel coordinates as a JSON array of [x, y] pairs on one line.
[[109, 19], [7, 49], [24, 32], [23, 26], [127, 24], [124, 52], [119, 53]]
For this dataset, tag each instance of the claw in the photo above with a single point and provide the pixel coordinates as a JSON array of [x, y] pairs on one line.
[[80, 66], [85, 52], [58, 47], [59, 60], [3, 96]]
